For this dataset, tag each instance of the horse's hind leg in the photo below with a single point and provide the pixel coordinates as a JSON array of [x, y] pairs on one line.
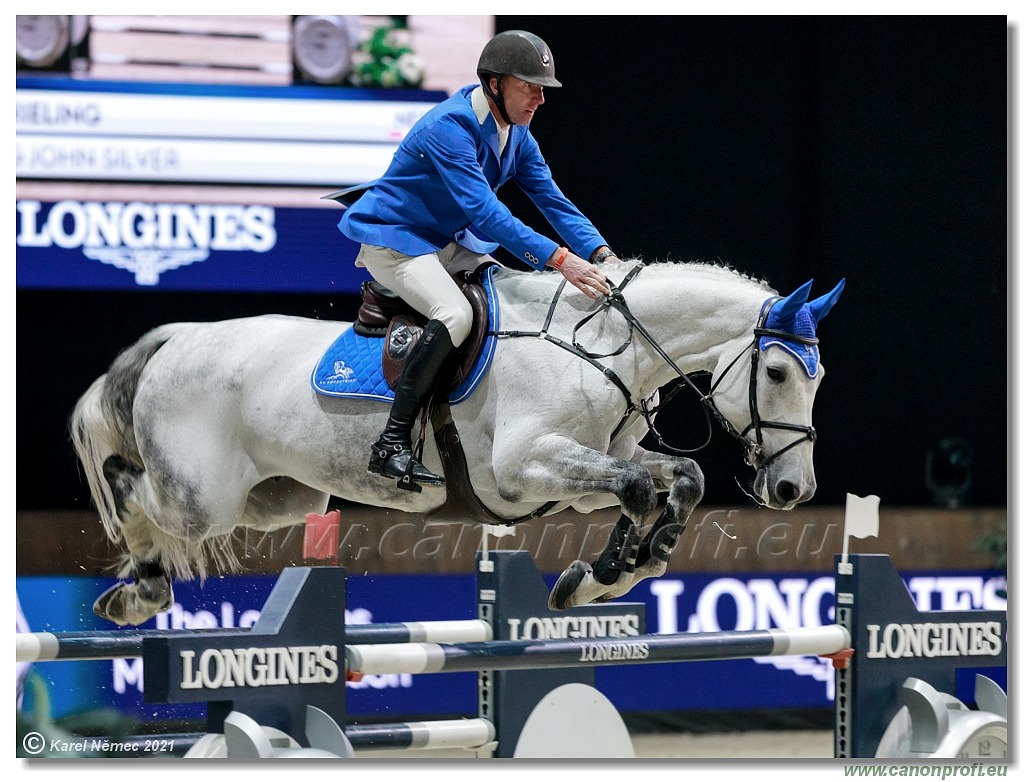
[[137, 602], [151, 591]]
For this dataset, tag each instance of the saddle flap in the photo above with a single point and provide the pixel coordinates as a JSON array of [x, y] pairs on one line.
[[403, 332], [474, 343]]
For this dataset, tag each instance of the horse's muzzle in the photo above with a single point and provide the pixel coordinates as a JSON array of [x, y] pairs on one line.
[[782, 492]]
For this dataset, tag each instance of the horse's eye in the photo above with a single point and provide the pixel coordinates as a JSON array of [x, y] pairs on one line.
[[776, 375]]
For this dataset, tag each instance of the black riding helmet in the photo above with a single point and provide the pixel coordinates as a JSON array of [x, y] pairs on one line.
[[515, 53]]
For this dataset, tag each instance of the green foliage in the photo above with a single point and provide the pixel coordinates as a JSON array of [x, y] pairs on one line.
[[70, 736], [386, 59]]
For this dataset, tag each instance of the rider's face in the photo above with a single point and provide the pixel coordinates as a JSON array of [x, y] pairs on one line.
[[522, 99]]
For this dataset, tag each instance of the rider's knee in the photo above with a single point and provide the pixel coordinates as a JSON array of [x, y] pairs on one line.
[[458, 320]]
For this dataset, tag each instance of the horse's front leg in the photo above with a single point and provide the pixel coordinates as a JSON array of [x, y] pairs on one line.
[[558, 467], [685, 492], [580, 584]]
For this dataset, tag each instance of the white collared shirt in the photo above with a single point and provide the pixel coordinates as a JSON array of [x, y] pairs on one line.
[[483, 110]]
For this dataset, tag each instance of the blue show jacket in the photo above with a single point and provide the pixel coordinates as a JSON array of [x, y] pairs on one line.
[[441, 187]]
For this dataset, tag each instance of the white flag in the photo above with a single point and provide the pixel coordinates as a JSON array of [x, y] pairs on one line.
[[862, 516], [499, 530]]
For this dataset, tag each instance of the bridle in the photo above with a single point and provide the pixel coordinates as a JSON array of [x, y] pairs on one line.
[[754, 451]]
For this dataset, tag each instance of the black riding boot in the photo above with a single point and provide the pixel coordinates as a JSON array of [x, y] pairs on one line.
[[392, 454]]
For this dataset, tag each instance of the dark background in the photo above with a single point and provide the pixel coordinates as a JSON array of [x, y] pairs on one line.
[[870, 148]]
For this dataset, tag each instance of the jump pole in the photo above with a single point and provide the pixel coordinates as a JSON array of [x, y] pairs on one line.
[[109, 645], [416, 658]]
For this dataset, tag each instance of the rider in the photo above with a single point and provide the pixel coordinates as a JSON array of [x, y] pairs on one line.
[[435, 212]]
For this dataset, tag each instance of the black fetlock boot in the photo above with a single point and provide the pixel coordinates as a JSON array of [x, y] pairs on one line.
[[392, 455], [619, 556], [658, 544]]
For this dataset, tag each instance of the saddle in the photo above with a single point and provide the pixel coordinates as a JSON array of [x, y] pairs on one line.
[[383, 313]]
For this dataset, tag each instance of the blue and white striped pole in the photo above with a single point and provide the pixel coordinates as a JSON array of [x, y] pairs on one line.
[[416, 658], [111, 644]]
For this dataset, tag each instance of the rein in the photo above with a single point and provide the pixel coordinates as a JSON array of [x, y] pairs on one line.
[[754, 449]]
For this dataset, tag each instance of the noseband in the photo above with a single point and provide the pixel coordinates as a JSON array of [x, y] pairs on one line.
[[754, 452]]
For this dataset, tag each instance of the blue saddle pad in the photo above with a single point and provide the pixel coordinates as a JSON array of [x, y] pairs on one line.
[[351, 367]]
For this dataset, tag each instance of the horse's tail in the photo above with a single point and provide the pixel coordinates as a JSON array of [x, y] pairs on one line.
[[101, 424]]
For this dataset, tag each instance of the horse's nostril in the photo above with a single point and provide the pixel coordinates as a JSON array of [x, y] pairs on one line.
[[786, 491]]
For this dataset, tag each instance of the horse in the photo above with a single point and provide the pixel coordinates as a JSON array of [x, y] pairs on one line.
[[199, 428]]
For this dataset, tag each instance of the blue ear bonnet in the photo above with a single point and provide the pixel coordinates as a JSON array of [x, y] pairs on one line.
[[802, 325], [799, 317]]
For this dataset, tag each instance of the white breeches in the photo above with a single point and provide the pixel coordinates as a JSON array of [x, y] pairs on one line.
[[425, 282]]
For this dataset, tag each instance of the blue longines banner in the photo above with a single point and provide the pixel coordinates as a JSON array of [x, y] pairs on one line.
[[138, 245], [675, 603]]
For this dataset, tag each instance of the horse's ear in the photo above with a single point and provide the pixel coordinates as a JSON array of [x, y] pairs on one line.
[[819, 307], [789, 306]]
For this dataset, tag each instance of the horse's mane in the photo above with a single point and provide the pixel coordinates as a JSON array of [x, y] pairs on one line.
[[616, 271], [711, 270]]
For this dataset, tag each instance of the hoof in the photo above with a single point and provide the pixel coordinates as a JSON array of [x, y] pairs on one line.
[[121, 604], [110, 605], [576, 587]]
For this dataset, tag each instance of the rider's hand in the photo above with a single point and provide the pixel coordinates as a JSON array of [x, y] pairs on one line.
[[582, 274]]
